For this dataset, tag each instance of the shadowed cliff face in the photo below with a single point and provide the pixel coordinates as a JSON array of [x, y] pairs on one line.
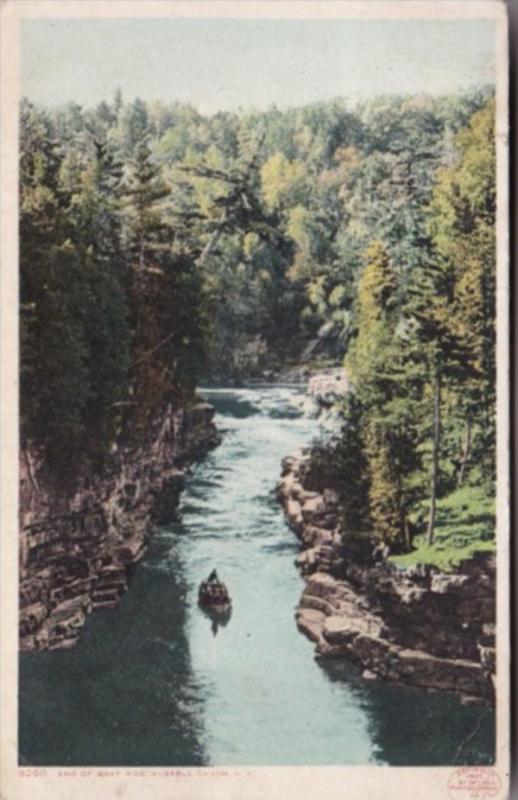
[[76, 546], [152, 681], [126, 693]]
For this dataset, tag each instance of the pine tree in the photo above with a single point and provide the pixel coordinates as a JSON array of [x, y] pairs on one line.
[[462, 227], [144, 189], [350, 455], [375, 365], [96, 215], [375, 303]]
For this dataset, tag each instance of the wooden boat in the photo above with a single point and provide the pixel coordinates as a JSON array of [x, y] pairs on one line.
[[213, 596]]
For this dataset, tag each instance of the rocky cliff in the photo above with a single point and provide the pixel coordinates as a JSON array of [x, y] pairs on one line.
[[421, 626], [77, 544]]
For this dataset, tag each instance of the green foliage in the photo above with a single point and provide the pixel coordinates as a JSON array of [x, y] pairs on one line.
[[144, 189], [375, 363], [422, 360], [100, 290], [282, 181], [351, 464], [462, 225], [374, 315], [158, 245], [385, 500], [465, 526]]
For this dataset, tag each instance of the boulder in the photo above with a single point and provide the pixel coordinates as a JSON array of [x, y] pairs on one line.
[[307, 561], [310, 621], [326, 388], [321, 585], [317, 604], [304, 495], [312, 535], [294, 514], [313, 507], [423, 669], [342, 630], [31, 617], [447, 584]]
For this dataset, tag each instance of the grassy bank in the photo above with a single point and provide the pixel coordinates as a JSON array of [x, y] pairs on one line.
[[465, 525]]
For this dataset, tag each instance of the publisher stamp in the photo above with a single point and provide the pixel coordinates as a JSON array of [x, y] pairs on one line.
[[474, 783]]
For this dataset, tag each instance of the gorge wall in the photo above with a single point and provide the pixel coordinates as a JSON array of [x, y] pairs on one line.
[[77, 545], [417, 626]]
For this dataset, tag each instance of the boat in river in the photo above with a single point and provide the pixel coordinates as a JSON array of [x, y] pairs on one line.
[[213, 595]]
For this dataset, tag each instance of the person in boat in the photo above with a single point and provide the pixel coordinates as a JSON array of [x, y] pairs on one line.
[[213, 577]]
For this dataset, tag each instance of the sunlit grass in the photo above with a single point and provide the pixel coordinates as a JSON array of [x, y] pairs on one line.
[[465, 525]]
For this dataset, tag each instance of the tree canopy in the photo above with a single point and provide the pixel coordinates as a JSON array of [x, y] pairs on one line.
[[160, 246]]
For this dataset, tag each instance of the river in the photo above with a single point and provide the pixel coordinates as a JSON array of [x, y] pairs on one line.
[[152, 682]]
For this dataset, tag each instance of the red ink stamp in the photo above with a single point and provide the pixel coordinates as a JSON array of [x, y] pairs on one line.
[[474, 783]]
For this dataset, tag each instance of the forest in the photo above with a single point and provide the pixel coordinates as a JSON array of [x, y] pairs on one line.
[[161, 248]]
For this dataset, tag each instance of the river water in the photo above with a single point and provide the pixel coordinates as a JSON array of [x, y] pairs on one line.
[[154, 683]]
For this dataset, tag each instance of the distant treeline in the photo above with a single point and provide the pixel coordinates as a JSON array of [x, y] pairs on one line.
[[159, 245]]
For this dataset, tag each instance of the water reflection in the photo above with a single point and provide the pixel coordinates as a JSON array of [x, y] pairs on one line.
[[218, 619], [126, 695], [410, 727]]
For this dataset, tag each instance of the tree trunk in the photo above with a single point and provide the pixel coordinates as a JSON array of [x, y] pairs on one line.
[[403, 521], [211, 244], [465, 454], [408, 535], [435, 456]]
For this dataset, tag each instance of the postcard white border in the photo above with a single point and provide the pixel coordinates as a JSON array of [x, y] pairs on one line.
[[326, 783]]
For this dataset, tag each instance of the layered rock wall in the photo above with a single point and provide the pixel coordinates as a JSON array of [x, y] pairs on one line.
[[416, 626], [77, 545]]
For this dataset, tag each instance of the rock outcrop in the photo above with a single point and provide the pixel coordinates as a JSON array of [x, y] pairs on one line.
[[77, 545], [325, 391], [418, 626], [328, 387]]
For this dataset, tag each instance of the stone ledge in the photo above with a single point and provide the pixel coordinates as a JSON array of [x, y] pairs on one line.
[[418, 626]]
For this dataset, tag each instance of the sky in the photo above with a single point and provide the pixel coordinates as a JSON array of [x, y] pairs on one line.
[[222, 64]]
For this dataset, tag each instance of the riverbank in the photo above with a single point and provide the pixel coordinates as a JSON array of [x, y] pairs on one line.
[[77, 547], [417, 626]]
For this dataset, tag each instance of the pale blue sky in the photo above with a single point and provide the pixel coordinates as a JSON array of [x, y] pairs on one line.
[[230, 63]]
